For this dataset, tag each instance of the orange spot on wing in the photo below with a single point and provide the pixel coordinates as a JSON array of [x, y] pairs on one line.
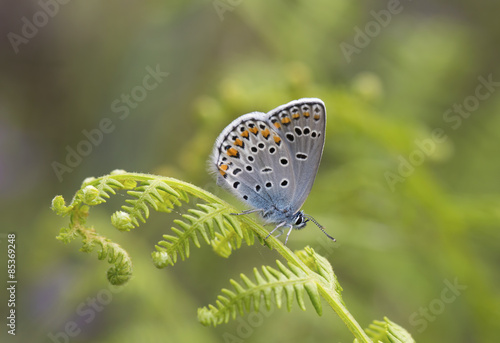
[[238, 142], [254, 130], [277, 139], [244, 134], [296, 116], [285, 120], [306, 114], [265, 133], [232, 152], [316, 116], [277, 125], [222, 169]]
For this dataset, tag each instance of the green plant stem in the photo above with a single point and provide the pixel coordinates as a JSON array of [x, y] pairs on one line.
[[339, 307], [331, 297]]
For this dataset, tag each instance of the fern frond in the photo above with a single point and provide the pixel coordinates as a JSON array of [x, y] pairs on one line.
[[200, 222], [306, 272], [151, 193], [121, 271], [94, 193], [321, 266], [212, 220], [269, 286], [388, 332], [170, 201], [226, 241]]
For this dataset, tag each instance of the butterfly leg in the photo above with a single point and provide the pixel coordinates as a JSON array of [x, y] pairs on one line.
[[246, 212], [276, 228], [288, 234], [279, 233]]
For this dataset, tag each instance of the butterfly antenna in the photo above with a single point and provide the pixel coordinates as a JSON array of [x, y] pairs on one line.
[[320, 226]]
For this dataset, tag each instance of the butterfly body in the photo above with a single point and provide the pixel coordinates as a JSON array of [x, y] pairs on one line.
[[270, 160]]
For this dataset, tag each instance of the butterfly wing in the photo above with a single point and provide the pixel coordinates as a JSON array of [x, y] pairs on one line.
[[301, 124], [270, 160], [253, 163]]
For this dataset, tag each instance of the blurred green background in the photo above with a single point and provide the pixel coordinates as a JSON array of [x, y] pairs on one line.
[[412, 215]]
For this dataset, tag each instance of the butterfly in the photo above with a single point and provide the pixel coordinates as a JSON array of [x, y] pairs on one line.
[[270, 160]]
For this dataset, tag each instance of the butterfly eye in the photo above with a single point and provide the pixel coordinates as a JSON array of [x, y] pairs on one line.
[[299, 220]]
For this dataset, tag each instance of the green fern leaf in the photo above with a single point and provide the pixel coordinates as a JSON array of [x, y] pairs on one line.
[[388, 332], [231, 235], [321, 266], [224, 242], [121, 271], [103, 188], [170, 201], [150, 193], [203, 221], [306, 272], [268, 288], [213, 220]]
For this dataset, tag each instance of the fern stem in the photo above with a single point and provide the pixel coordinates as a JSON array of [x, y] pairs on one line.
[[185, 186], [339, 307]]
